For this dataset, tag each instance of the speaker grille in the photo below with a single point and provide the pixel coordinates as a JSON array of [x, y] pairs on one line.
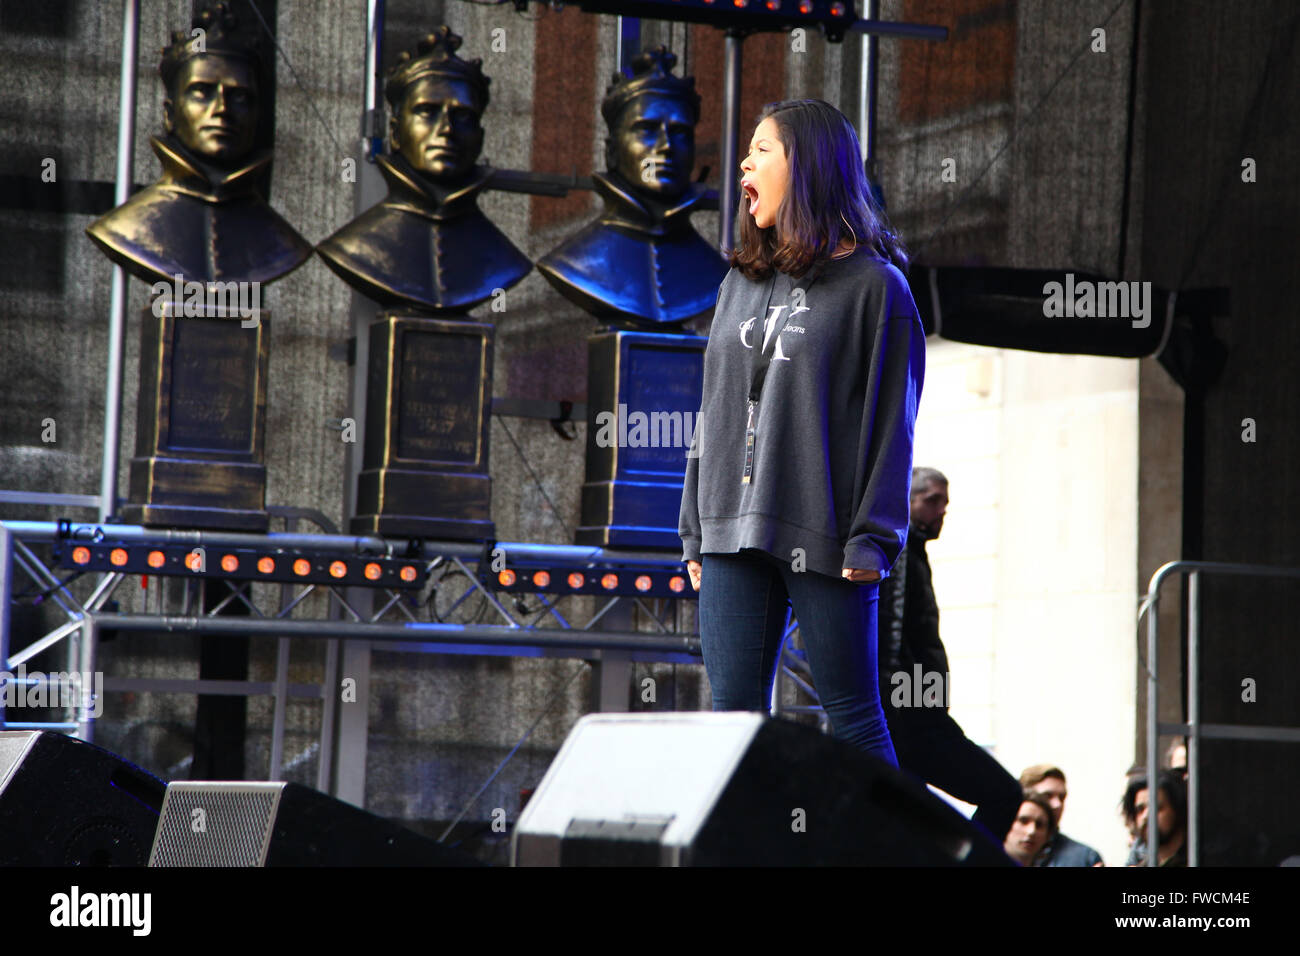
[[232, 829]]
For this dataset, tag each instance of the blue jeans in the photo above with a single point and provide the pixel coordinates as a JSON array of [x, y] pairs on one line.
[[743, 601]]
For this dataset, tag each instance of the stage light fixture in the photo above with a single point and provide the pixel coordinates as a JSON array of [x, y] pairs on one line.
[[141, 556], [832, 16], [607, 578]]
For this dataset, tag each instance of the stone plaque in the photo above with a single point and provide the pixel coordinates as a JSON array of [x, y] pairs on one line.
[[439, 408]]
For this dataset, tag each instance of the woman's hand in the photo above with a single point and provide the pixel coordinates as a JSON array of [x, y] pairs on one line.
[[860, 576], [694, 570]]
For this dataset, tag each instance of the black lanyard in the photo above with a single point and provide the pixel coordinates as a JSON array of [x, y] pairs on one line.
[[762, 358]]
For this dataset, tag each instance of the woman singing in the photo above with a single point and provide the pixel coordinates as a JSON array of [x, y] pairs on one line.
[[798, 478]]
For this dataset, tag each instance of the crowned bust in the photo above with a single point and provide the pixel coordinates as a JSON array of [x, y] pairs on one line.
[[641, 262], [427, 246], [206, 219]]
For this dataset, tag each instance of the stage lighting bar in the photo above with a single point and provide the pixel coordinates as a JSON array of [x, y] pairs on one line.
[[242, 564], [617, 580], [834, 16]]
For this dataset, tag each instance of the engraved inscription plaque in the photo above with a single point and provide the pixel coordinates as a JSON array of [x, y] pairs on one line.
[[439, 407], [428, 416], [201, 423]]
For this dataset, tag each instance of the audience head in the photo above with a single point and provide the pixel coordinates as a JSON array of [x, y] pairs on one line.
[[1030, 830], [1176, 756], [1171, 806], [929, 500], [1049, 781]]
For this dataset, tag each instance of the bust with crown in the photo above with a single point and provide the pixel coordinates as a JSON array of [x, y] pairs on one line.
[[429, 255], [427, 246], [207, 240], [642, 269], [205, 220], [641, 262]]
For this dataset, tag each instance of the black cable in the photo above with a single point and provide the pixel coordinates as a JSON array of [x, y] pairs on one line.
[[1248, 123], [536, 481], [294, 73], [527, 733], [1126, 192], [1012, 135], [39, 596]]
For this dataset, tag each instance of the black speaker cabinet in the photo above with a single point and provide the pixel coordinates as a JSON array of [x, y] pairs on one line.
[[64, 802], [283, 824], [733, 789]]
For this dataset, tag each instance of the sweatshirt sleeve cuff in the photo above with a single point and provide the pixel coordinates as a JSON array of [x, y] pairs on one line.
[[690, 547], [862, 553]]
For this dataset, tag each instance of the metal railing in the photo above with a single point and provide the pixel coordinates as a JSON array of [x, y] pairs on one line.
[[1193, 729]]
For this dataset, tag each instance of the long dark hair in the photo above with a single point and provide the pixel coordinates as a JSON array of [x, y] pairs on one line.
[[828, 198]]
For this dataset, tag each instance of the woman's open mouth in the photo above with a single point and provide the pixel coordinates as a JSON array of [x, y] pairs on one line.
[[752, 194]]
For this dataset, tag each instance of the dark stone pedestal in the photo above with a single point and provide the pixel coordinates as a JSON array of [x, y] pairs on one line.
[[428, 419], [201, 429], [643, 396]]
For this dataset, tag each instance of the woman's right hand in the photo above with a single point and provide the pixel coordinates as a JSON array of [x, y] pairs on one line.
[[694, 569]]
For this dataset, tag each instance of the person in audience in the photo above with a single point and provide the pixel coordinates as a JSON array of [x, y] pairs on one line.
[[1171, 819], [1176, 757], [1060, 850], [914, 679], [1030, 830], [1135, 772]]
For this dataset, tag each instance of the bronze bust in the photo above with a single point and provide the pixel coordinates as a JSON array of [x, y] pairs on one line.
[[205, 219], [641, 262], [427, 246]]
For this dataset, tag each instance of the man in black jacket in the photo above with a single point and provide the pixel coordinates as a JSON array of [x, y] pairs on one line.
[[914, 681]]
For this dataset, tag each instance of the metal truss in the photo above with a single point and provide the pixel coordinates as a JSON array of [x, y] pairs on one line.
[[429, 621]]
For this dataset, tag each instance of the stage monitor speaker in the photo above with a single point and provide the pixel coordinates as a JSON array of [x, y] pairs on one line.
[[283, 824], [733, 789], [65, 802]]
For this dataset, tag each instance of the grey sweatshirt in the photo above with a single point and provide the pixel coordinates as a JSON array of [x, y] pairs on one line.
[[832, 463]]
